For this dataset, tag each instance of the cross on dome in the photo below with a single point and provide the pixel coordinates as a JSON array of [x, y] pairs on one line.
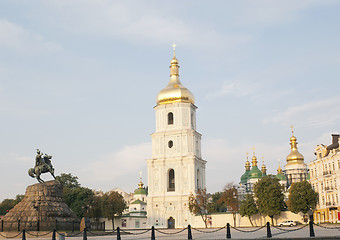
[[174, 47]]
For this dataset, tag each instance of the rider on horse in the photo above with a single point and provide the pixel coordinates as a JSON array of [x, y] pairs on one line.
[[42, 165]]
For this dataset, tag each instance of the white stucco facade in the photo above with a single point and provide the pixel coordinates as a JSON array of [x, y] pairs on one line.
[[176, 168]]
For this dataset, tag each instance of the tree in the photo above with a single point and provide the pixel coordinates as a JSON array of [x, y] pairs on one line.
[[269, 196], [68, 180], [95, 207], [78, 199], [113, 204], [229, 198], [248, 207], [8, 204], [302, 197], [198, 204], [75, 196], [214, 206]]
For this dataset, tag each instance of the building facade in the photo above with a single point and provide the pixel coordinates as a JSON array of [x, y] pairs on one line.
[[324, 177], [176, 168]]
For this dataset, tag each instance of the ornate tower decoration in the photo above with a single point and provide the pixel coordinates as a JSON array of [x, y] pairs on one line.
[[295, 169], [255, 174], [176, 168]]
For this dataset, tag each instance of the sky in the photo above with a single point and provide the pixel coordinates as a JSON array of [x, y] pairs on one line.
[[79, 80]]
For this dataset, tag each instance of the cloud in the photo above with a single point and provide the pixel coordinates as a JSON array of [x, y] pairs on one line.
[[17, 38], [319, 113], [116, 169], [237, 88]]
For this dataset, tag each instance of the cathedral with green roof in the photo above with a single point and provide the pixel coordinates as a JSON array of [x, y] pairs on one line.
[[295, 167]]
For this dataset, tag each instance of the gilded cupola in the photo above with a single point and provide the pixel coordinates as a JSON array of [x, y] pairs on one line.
[[174, 91], [294, 156], [263, 168], [245, 176]]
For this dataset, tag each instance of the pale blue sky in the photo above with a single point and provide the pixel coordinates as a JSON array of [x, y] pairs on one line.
[[78, 79]]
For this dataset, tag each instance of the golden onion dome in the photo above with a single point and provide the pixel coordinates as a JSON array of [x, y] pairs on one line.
[[247, 165], [174, 91], [294, 157], [254, 160]]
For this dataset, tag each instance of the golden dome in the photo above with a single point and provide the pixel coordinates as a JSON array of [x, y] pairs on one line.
[[294, 157], [254, 160], [174, 91], [247, 165]]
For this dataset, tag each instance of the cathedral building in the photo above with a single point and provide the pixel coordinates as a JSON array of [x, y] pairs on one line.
[[176, 168], [295, 171]]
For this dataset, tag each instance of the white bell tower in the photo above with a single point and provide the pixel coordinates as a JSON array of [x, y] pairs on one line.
[[176, 168]]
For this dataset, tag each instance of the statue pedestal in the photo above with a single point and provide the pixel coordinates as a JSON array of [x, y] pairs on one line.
[[42, 209]]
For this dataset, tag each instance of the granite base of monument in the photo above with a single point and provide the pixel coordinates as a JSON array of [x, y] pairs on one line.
[[42, 209]]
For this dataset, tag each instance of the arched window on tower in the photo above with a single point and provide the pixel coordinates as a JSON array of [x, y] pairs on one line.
[[198, 179], [171, 175], [170, 118]]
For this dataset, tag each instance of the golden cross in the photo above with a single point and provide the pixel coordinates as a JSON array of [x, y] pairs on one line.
[[140, 175], [247, 155], [292, 127], [174, 46], [254, 151]]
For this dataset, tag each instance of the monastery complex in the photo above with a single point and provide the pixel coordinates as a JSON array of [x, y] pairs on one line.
[[177, 169]]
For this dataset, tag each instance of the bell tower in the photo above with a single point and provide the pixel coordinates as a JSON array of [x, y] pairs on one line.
[[176, 168]]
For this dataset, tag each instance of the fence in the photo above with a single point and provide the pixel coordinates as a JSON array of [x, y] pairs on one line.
[[118, 233], [47, 225]]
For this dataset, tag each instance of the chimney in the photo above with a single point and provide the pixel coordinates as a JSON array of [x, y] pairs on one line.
[[335, 138]]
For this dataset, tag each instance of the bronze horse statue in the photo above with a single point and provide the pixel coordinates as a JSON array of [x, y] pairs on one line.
[[43, 164]]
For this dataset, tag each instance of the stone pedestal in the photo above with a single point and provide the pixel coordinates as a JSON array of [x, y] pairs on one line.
[[41, 209]]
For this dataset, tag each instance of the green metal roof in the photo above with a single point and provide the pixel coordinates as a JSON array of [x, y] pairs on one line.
[[244, 177], [140, 191], [281, 177], [255, 173], [138, 202]]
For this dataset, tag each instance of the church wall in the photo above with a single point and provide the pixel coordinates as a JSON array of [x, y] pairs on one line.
[[218, 220]]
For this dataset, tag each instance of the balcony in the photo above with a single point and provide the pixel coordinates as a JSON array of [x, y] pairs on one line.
[[330, 204]]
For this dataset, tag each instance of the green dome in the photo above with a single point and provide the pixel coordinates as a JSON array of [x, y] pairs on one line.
[[281, 177], [244, 177], [255, 173], [140, 191]]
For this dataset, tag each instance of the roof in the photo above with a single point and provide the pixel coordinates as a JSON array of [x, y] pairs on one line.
[[244, 177], [138, 202], [255, 173], [281, 177], [140, 191]]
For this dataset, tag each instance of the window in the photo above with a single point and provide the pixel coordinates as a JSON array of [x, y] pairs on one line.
[[170, 144], [170, 118], [171, 186]]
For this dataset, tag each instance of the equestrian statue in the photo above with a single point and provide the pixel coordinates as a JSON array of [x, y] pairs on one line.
[[43, 164]]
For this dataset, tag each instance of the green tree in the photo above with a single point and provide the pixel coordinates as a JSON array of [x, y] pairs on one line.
[[8, 204], [95, 208], [214, 206], [269, 196], [68, 180], [113, 205], [78, 198], [229, 198], [198, 204], [248, 207], [302, 197]]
